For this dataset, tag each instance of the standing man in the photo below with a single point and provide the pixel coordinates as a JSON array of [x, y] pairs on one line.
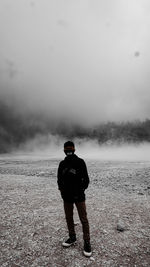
[[72, 181]]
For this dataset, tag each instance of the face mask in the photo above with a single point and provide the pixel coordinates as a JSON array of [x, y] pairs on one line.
[[69, 153]]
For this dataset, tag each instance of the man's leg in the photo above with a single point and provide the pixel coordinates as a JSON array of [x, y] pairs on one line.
[[81, 207], [68, 208]]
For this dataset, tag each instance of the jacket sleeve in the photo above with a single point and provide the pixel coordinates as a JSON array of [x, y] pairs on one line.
[[85, 176], [60, 177]]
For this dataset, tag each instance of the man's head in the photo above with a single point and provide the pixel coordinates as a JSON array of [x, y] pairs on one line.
[[69, 148]]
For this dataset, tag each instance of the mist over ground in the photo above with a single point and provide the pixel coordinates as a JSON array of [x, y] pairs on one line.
[[87, 149]]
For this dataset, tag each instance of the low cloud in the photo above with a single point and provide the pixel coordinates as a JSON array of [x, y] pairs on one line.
[[63, 60]]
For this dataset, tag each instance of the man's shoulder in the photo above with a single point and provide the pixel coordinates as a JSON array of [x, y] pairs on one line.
[[80, 160], [74, 159], [61, 162]]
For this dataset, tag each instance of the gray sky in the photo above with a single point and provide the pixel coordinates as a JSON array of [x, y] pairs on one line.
[[88, 60]]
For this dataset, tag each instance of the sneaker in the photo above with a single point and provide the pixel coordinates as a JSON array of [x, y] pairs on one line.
[[70, 241], [87, 249]]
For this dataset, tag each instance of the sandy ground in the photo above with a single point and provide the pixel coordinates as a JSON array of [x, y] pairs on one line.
[[32, 223]]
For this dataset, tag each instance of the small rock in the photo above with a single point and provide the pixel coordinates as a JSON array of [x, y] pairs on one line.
[[92, 259], [140, 193], [120, 227], [34, 234]]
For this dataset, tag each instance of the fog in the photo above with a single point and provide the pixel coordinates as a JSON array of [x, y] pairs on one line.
[[124, 152], [52, 147], [78, 63], [86, 61]]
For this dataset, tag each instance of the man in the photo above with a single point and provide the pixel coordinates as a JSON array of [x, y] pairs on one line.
[[72, 181]]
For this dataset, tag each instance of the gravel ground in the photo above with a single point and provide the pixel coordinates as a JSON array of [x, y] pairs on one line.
[[32, 224]]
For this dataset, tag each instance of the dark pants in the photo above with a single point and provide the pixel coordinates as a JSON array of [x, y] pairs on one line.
[[81, 208]]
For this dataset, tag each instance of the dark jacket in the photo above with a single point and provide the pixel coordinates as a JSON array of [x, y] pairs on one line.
[[72, 179]]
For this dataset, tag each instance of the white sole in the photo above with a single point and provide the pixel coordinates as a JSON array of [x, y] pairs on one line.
[[87, 254], [68, 245]]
